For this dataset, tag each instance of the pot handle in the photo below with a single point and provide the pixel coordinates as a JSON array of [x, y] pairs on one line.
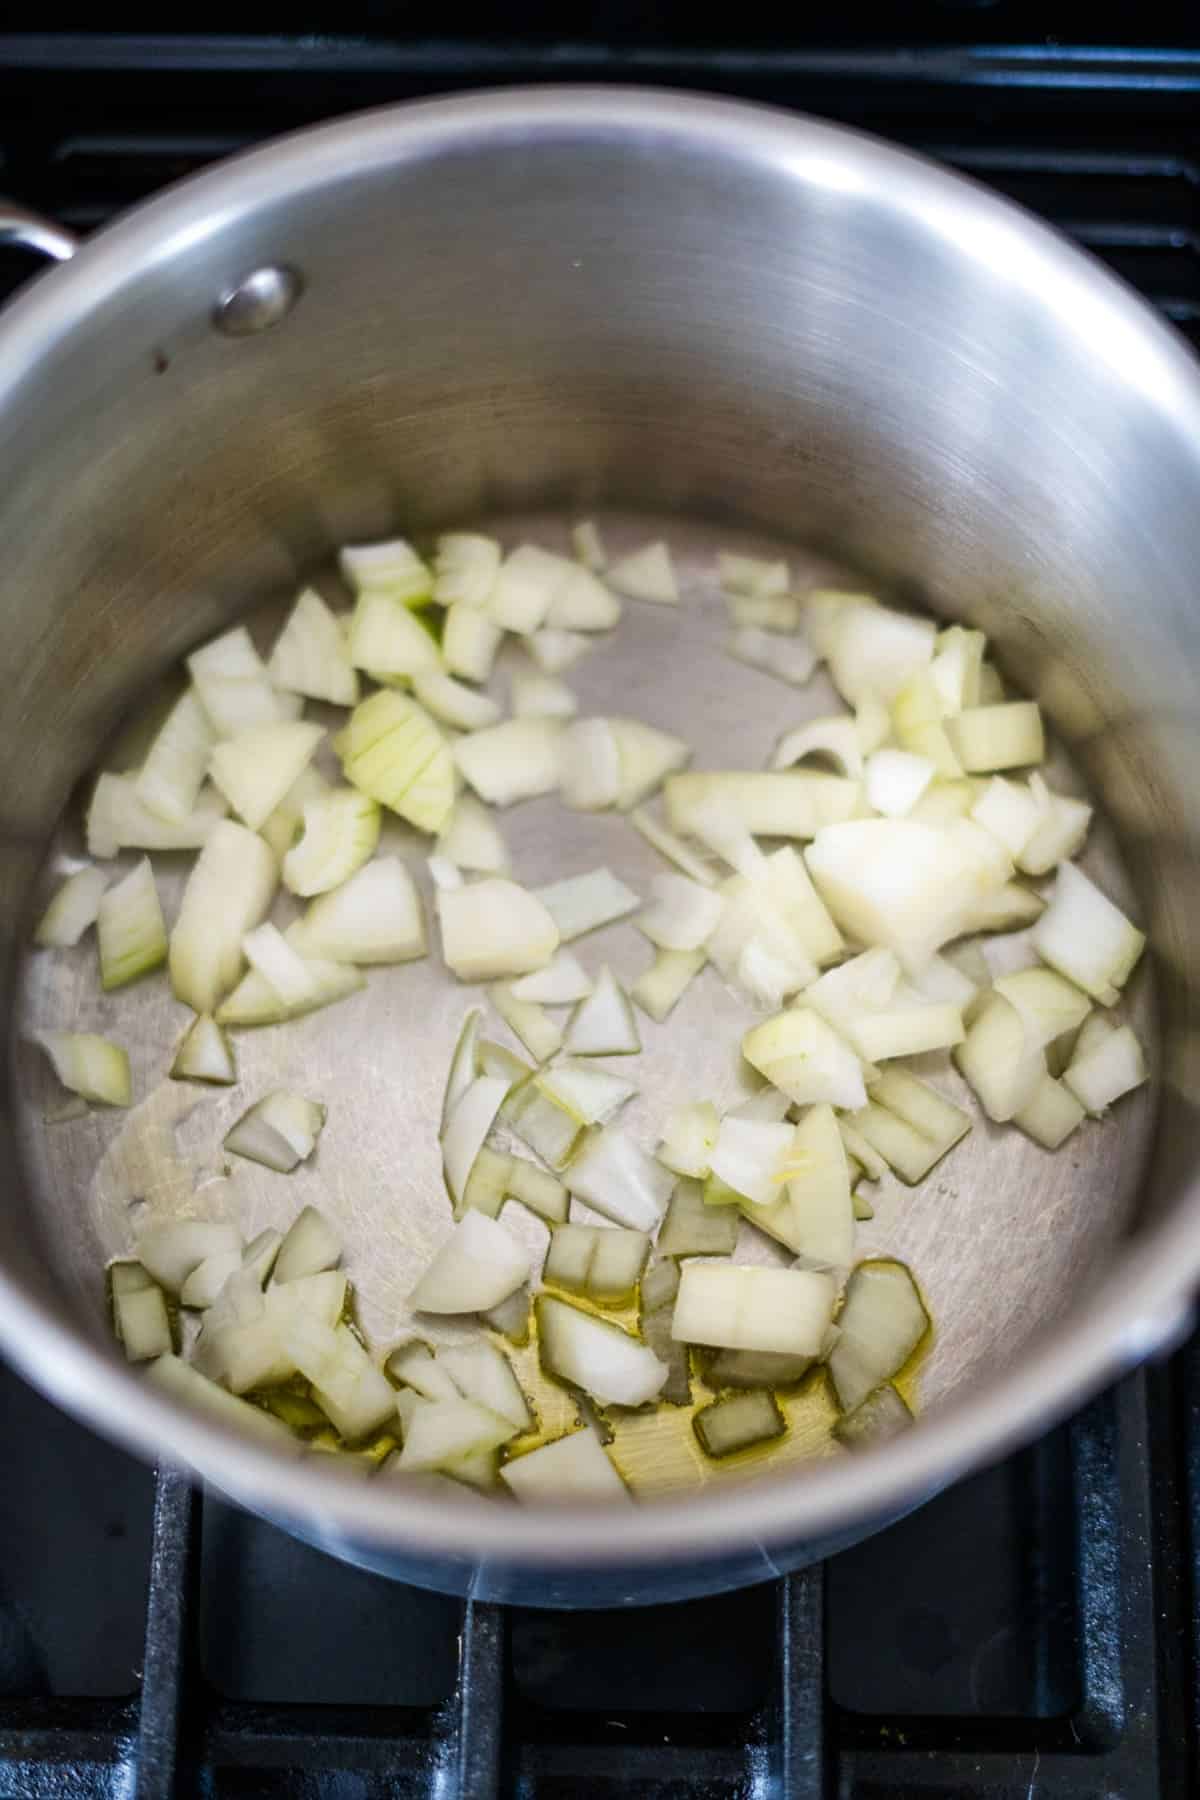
[[29, 231]]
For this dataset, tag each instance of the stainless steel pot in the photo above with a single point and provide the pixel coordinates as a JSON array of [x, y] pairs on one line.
[[552, 297]]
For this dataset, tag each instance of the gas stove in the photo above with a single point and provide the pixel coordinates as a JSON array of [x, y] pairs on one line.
[[1033, 1632]]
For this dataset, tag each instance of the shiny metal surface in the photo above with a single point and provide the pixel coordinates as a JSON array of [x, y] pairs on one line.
[[261, 299], [30, 231], [556, 300]]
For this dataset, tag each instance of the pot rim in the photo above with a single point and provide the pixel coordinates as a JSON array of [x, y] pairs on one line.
[[1141, 1301]]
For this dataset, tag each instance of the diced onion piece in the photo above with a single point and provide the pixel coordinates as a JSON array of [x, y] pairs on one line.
[[539, 1120], [800, 907], [374, 917], [517, 760], [1010, 908], [73, 909], [204, 1054], [582, 903], [472, 840], [619, 1179], [1048, 1004], [672, 847], [494, 928], [589, 766], [788, 1310], [646, 756], [466, 1130], [176, 763], [882, 1416], [1086, 938], [800, 1054], [456, 704], [255, 1002], [393, 565], [130, 932], [1009, 736], [562, 982], [341, 830], [255, 770], [750, 1155], [659, 1284], [689, 1136], [681, 914], [392, 750], [311, 655], [477, 1267], [1051, 1114], [880, 1325], [906, 1030], [354, 1395], [692, 1228], [526, 583], [603, 1262], [998, 1061], [415, 1364], [874, 1167], [818, 1191], [739, 574], [873, 650], [271, 956], [581, 602], [1061, 829], [171, 1252], [838, 738], [553, 651], [603, 1024], [538, 696], [234, 704], [943, 802], [1102, 1075], [283, 827], [941, 979], [1009, 811], [538, 1190], [646, 574], [206, 1280], [127, 1278], [498, 1059], [915, 1104], [660, 987], [89, 1066], [118, 820], [443, 872], [588, 546], [470, 640], [955, 669], [576, 1468], [793, 803], [755, 1369], [737, 1422], [766, 1103], [142, 1324], [596, 1355], [258, 1258], [864, 985], [190, 1388], [484, 1374], [465, 567], [895, 780], [280, 1131], [790, 659], [539, 1033], [487, 1185], [232, 653]]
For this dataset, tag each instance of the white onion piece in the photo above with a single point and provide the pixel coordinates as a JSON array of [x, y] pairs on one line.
[[681, 914], [204, 1054], [388, 640], [1009, 811], [487, 1184], [90, 1066], [672, 847], [780, 613], [987, 738], [867, 983], [646, 757], [998, 1061], [494, 928], [908, 1031], [72, 910], [282, 828], [603, 1024], [130, 933], [550, 1129], [785, 1310], [310, 1247], [465, 567], [800, 907], [538, 696], [802, 1055], [1061, 829], [646, 574], [562, 982], [311, 655], [818, 1192], [582, 903], [689, 1135], [235, 704], [792, 803], [280, 1131], [528, 579], [170, 1252], [255, 770], [553, 651], [231, 654], [597, 1356], [756, 945], [355, 1395], [590, 766], [956, 668], [118, 820], [176, 763], [255, 1002], [466, 1131], [694, 1228], [1009, 908], [415, 1364], [738, 1422], [443, 872], [880, 1325], [477, 1267], [1102, 1075], [392, 750], [186, 1385], [873, 650], [470, 640], [206, 1280], [374, 917], [582, 603], [1051, 1114], [472, 840], [941, 979], [768, 1103], [142, 1323], [576, 1468], [588, 546], [392, 564], [1049, 1005], [484, 1374], [894, 781], [517, 760], [619, 1179], [498, 1059], [659, 988], [739, 574], [258, 1258], [279, 963], [932, 1124], [750, 1156], [788, 659], [456, 704], [538, 1190], [837, 738], [1086, 938], [539, 1033]]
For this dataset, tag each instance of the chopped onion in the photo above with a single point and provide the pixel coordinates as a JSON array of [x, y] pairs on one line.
[[393, 751], [955, 669], [553, 651], [788, 1310], [456, 704], [470, 640], [688, 1138], [259, 1256], [882, 1416], [550, 1129], [311, 655], [487, 1184], [646, 574], [659, 1285], [998, 1061], [171, 1252], [818, 1192], [465, 568], [517, 760], [204, 1054], [895, 781], [780, 613], [90, 1066], [1086, 938], [671, 846], [738, 1422], [255, 770], [562, 982], [873, 650], [1009, 908], [280, 964], [176, 763], [478, 1266], [207, 1279], [660, 987], [898, 1097], [143, 1325], [692, 1228], [354, 1395], [865, 984], [880, 1325], [941, 979], [389, 640], [280, 1131], [283, 826], [1008, 736], [582, 903], [190, 1388], [603, 1262], [528, 579], [538, 1190], [789, 659], [772, 803], [393, 565], [589, 766], [647, 756], [498, 1059], [538, 696], [1009, 812], [802, 1056], [766, 1103], [341, 830], [681, 914], [750, 1157], [596, 1355], [588, 546], [494, 928], [581, 602], [472, 840], [466, 1131], [838, 738], [130, 932], [1048, 1004], [484, 1374], [538, 1032], [906, 1030], [415, 1364], [619, 1179], [740, 574], [1100, 1076], [603, 1024], [73, 909], [255, 1002], [755, 1369], [374, 917], [1051, 1114], [235, 704], [575, 1468], [1061, 829], [118, 820], [944, 801]]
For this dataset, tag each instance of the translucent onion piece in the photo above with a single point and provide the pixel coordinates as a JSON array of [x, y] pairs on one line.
[[588, 1094], [310, 1246], [255, 1002], [550, 1129], [895, 780], [280, 1131], [589, 766], [837, 738], [681, 914], [467, 1129], [1009, 811], [1009, 908], [279, 963], [517, 760], [484, 1374], [415, 1364], [882, 1416], [1060, 833], [539, 1033], [907, 1030], [355, 1396], [130, 932], [786, 1310], [818, 1192], [72, 910], [311, 655], [755, 1369], [89, 1066], [588, 546], [935, 1122], [393, 751], [393, 565], [465, 567], [553, 651], [772, 803], [172, 775], [471, 838], [487, 1184], [1049, 1005], [646, 757], [880, 1325], [582, 903], [956, 668], [118, 820], [207, 1279], [374, 917], [283, 827], [1100, 1076], [750, 1156], [737, 1422], [802, 1056], [672, 847], [692, 1228], [603, 1262], [740, 574], [255, 770], [234, 704], [788, 659], [470, 640], [562, 982], [528, 579], [204, 1054], [1051, 1114], [596, 1355], [659, 988], [603, 1024], [456, 704], [689, 1136], [478, 1266], [1009, 736], [171, 1252], [341, 830], [538, 696], [1086, 938], [574, 1468], [228, 892], [186, 1385], [538, 1190], [780, 613], [582, 603], [998, 1061], [646, 574], [494, 928], [619, 1179], [142, 1324]]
